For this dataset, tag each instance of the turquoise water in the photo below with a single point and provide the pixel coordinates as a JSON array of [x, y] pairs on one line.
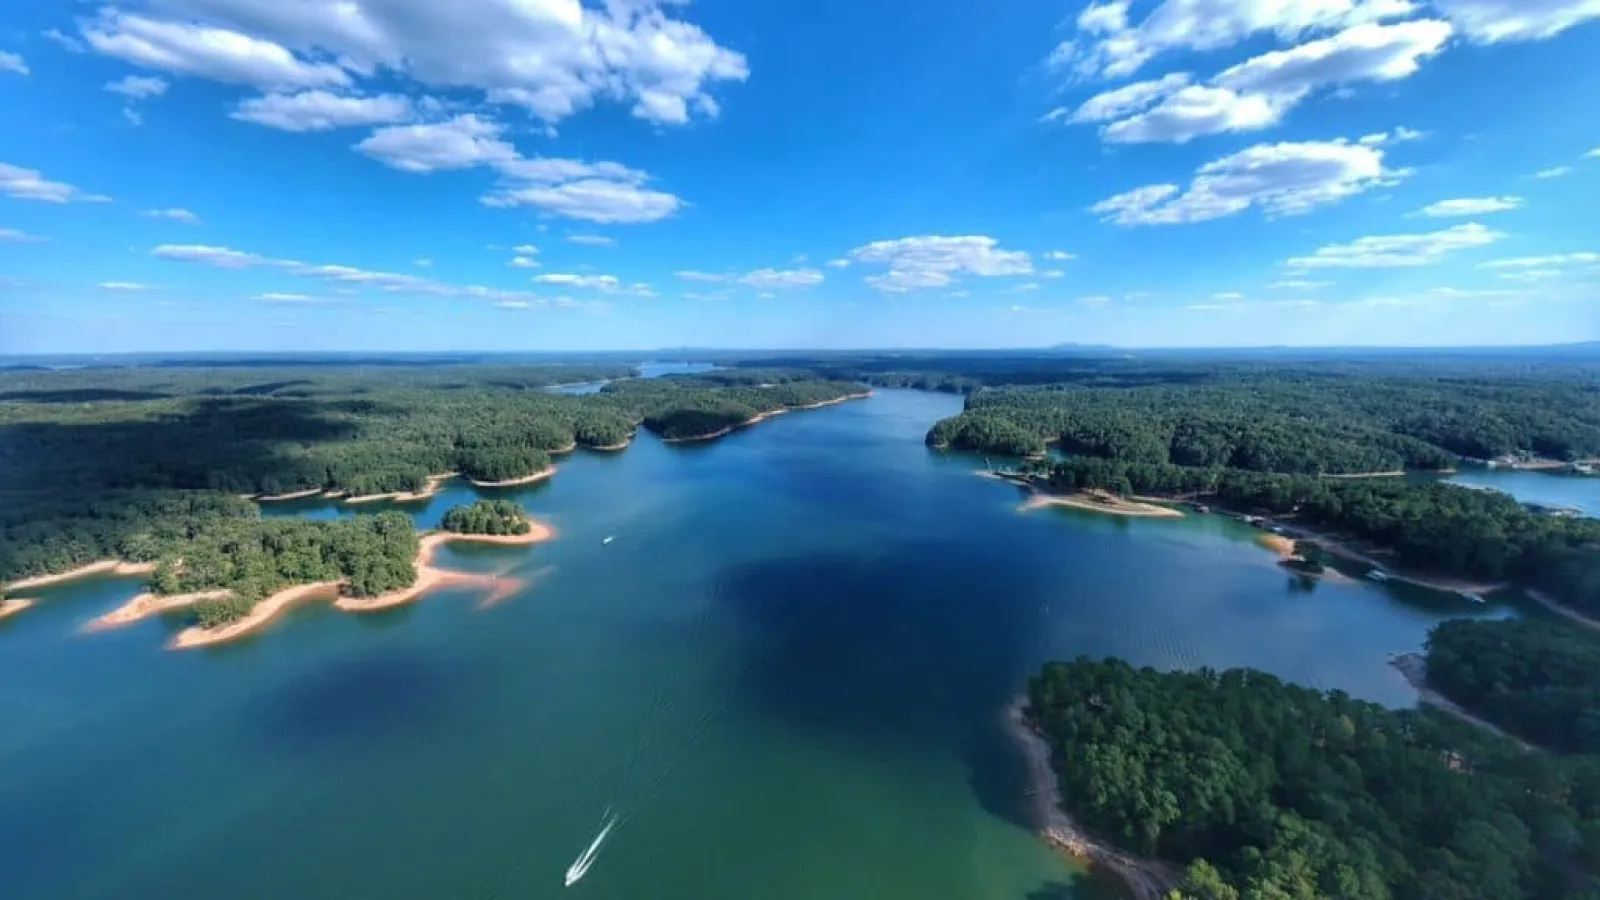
[[785, 674], [1550, 488]]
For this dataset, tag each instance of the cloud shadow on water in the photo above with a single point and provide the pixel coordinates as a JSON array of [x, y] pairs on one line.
[[381, 698]]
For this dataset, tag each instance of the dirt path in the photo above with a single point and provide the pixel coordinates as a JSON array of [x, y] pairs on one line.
[[1414, 666], [1145, 879]]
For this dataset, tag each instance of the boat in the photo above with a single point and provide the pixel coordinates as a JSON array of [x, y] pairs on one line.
[[580, 866], [1471, 597], [609, 539], [1378, 575]]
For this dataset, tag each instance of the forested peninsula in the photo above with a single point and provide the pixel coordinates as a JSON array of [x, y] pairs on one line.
[[160, 466]]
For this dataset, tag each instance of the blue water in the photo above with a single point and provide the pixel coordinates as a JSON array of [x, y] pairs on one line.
[[785, 673]]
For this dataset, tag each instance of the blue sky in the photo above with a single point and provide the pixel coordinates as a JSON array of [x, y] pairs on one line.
[[550, 175]]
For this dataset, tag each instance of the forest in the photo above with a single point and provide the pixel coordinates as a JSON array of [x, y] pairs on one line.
[[1536, 678], [698, 406], [488, 517], [254, 558], [1330, 420], [1269, 790]]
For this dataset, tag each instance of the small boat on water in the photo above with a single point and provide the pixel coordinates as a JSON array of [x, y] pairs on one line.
[[609, 539], [1473, 598], [580, 866]]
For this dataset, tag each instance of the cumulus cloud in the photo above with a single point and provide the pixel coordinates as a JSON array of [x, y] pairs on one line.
[[11, 62], [1109, 44], [1469, 206], [319, 110], [221, 257], [1491, 21], [1259, 92], [596, 200], [591, 240], [1059, 256], [184, 46], [1279, 179], [30, 184], [1553, 172], [1398, 250], [128, 287], [593, 282], [182, 216], [768, 279], [934, 261], [463, 142], [138, 87], [552, 58]]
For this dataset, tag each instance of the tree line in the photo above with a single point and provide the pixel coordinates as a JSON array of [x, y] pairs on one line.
[[488, 517], [1269, 790]]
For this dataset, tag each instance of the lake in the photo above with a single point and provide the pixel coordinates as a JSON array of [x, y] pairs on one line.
[[784, 675]]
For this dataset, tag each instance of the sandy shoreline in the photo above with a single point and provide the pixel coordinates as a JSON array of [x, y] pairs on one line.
[[762, 417], [1144, 879], [294, 495], [1100, 502], [427, 492], [429, 578], [13, 606], [536, 477], [114, 567], [610, 448], [1414, 666]]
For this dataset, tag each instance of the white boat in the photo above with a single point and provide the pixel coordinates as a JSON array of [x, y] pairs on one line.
[[1378, 575], [608, 540], [1475, 598]]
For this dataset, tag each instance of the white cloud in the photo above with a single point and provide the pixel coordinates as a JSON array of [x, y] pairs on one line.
[[523, 262], [187, 47], [592, 200], [1299, 284], [592, 240], [838, 263], [29, 184], [138, 87], [280, 297], [126, 286], [1469, 206], [1593, 154], [1052, 273], [13, 236], [1400, 135], [917, 263], [593, 282], [346, 277], [132, 116], [1398, 250], [174, 215], [463, 142], [66, 41], [1280, 179], [525, 250], [708, 277], [1227, 295], [1259, 92], [767, 279], [422, 262], [1543, 262], [1109, 45], [1094, 301], [1490, 21], [552, 58], [513, 304], [11, 62], [1026, 287], [319, 110], [1553, 172], [221, 257], [1059, 256]]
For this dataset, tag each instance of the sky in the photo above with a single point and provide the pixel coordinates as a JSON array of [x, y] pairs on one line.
[[557, 175]]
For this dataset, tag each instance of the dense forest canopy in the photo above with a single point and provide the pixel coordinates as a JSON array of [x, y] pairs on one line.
[[487, 517], [1268, 790], [1539, 680], [696, 406], [1289, 421]]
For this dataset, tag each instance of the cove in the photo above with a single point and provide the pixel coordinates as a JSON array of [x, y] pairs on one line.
[[785, 675]]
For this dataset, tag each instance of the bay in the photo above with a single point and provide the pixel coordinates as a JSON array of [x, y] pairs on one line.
[[784, 675]]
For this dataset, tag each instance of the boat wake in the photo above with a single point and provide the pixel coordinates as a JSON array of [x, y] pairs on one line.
[[580, 866]]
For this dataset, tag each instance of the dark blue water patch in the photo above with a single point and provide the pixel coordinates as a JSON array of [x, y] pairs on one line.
[[355, 704]]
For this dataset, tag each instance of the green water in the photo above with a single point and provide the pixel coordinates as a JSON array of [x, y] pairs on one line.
[[785, 673]]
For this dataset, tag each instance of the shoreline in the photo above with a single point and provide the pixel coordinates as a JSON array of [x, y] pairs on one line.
[[427, 492], [113, 567], [1561, 609], [1144, 879], [13, 606], [610, 448], [279, 498], [762, 417], [1445, 584], [1414, 668], [536, 477], [429, 578]]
